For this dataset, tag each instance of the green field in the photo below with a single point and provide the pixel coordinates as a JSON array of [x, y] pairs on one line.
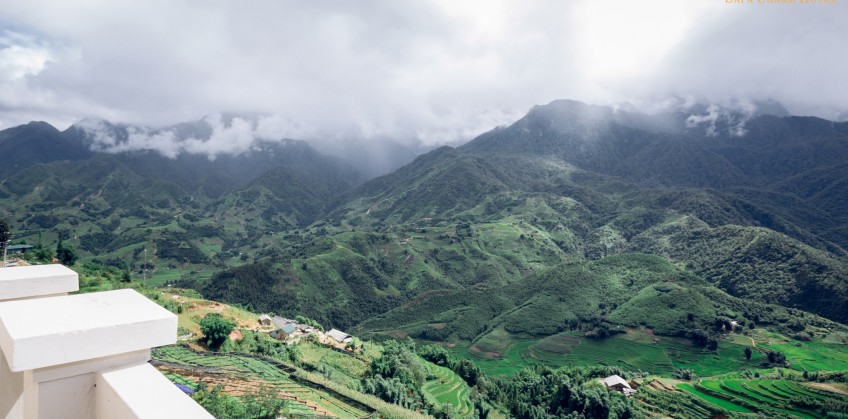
[[724, 404], [240, 374], [516, 358], [766, 396], [447, 387], [814, 355], [638, 350]]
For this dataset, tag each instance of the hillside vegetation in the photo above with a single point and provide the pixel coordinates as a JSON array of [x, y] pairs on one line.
[[579, 235]]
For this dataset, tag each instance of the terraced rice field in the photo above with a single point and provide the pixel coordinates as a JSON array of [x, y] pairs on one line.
[[724, 404], [242, 375], [448, 387], [665, 400], [763, 396]]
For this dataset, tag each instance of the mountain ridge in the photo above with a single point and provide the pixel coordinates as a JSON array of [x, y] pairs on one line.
[[569, 187]]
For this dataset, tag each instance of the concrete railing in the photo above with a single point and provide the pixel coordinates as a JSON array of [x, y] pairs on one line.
[[82, 356]]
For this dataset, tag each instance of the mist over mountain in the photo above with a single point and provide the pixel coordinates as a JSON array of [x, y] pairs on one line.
[[514, 209], [568, 182], [571, 182]]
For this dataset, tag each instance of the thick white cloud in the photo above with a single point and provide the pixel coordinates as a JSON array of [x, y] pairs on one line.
[[214, 135], [425, 71]]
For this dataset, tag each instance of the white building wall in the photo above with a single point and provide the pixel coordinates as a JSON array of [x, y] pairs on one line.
[[11, 391], [67, 398]]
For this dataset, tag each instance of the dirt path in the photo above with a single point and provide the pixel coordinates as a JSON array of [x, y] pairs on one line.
[[828, 387], [665, 385], [753, 342]]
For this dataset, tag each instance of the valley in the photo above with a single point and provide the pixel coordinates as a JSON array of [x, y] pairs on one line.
[[575, 243]]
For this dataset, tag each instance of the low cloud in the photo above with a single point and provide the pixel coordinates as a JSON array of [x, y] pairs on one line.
[[729, 119], [420, 73], [212, 136]]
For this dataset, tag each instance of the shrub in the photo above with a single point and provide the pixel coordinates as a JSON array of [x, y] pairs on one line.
[[216, 329]]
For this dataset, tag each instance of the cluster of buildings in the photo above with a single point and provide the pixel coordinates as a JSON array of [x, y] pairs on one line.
[[285, 328], [288, 329]]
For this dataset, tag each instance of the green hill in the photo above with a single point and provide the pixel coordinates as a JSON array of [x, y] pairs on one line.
[[576, 221]]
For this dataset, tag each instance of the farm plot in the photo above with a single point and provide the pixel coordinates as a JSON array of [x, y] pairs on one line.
[[665, 400], [709, 397], [241, 375], [449, 388], [783, 397]]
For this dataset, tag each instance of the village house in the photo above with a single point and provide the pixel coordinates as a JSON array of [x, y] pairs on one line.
[[18, 249], [616, 383], [284, 332], [265, 320], [305, 328], [340, 336], [279, 322]]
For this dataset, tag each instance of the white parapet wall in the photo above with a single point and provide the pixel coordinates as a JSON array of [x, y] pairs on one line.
[[82, 356], [119, 396], [36, 281], [52, 331]]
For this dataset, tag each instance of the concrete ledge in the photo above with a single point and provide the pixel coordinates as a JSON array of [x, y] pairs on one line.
[[51, 331], [91, 366], [142, 392], [35, 281]]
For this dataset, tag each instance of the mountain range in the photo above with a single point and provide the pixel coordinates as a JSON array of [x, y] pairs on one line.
[[575, 217]]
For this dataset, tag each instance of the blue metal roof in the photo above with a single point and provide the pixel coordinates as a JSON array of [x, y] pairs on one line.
[[186, 389], [20, 247]]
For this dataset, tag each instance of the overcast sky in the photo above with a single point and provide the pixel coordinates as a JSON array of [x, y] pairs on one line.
[[431, 71]]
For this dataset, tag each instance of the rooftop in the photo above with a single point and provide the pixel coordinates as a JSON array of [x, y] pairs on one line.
[[338, 335], [613, 380]]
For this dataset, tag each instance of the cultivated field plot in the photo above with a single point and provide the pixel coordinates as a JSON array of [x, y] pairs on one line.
[[639, 349], [241, 375], [449, 388], [770, 397], [809, 356]]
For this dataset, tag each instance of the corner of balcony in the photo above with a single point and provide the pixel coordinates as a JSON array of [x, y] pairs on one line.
[[82, 356]]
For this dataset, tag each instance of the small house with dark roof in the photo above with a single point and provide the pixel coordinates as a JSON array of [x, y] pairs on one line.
[[18, 249], [305, 328]]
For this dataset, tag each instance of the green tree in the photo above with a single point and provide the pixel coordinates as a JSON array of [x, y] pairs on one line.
[[42, 254], [66, 253], [218, 404], [748, 353], [776, 358], [5, 234], [216, 329]]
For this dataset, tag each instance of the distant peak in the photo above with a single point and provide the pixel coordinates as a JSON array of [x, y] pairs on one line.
[[566, 104], [770, 107], [41, 124]]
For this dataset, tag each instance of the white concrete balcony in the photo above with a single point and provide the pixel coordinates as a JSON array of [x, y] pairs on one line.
[[82, 356]]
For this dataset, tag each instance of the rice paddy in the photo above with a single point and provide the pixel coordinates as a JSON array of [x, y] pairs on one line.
[[765, 396], [448, 388], [241, 375]]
